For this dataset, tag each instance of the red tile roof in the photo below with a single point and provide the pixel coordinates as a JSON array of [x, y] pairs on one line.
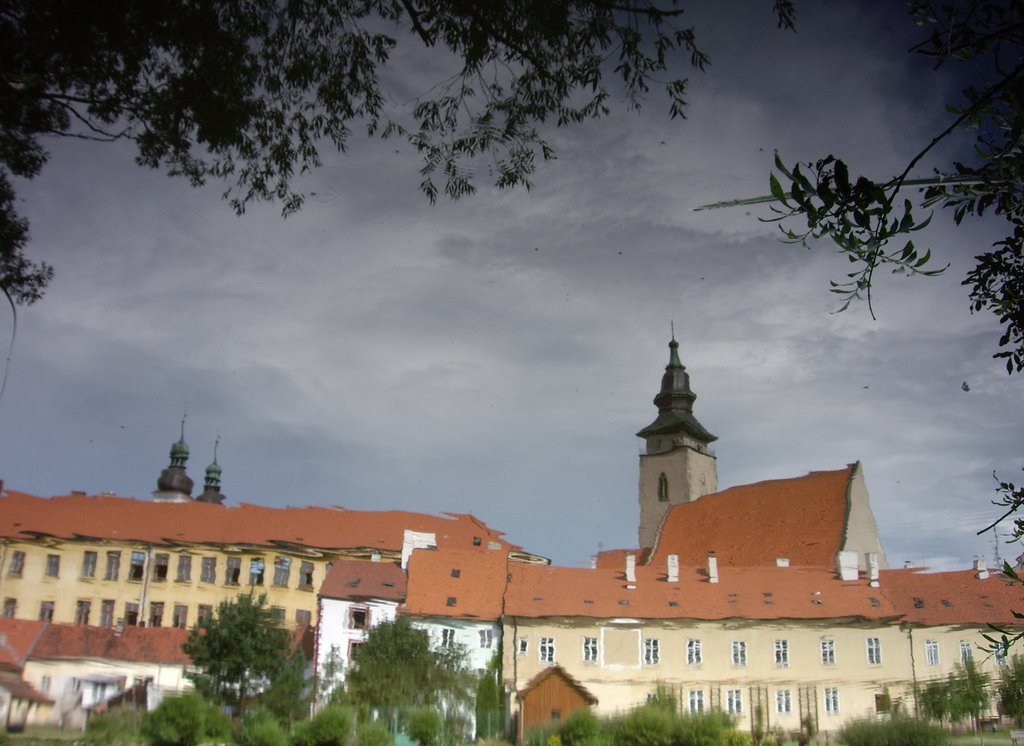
[[742, 592], [467, 585], [127, 519], [17, 638], [22, 690], [557, 670], [958, 597], [137, 644], [350, 579], [802, 519], [615, 559]]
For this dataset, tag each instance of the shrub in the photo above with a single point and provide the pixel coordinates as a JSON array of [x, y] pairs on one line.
[[733, 737], [332, 726], [261, 728], [116, 726], [186, 720], [425, 726], [373, 734], [900, 732], [581, 728], [537, 736], [645, 726], [707, 729]]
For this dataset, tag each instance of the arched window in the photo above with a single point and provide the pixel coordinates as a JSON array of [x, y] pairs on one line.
[[662, 488]]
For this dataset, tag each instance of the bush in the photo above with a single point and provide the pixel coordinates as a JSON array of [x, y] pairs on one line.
[[262, 728], [373, 734], [425, 726], [645, 726], [581, 728], [702, 730], [116, 726], [187, 720], [733, 737], [901, 732], [332, 726]]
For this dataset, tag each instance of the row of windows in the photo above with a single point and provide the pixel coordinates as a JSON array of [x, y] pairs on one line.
[[783, 701], [161, 567], [738, 651], [179, 613]]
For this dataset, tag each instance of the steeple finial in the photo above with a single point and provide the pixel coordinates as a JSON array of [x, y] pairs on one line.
[[675, 401], [211, 485]]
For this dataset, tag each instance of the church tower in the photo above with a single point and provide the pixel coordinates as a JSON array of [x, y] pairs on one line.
[[676, 466], [174, 484]]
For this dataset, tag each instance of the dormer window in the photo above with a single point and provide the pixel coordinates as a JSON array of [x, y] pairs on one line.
[[662, 488]]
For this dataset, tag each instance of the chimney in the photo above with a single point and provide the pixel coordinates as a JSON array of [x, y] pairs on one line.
[[673, 568], [847, 563], [630, 568], [375, 557], [980, 571], [871, 558], [712, 568], [782, 561]]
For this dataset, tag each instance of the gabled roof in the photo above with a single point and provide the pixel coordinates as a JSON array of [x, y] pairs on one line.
[[742, 593], [954, 598], [127, 519], [17, 638], [357, 580], [135, 644], [557, 670], [449, 583], [802, 519], [22, 690]]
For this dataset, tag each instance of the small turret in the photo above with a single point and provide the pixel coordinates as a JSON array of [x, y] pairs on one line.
[[211, 486], [174, 484]]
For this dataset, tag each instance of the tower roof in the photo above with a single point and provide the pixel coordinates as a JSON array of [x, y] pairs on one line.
[[675, 403]]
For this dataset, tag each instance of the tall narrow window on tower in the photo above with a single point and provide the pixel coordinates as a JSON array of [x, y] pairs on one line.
[[662, 488]]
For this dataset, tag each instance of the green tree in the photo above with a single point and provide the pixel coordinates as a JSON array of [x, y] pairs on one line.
[[238, 652], [186, 720], [396, 667], [1011, 689], [933, 700], [490, 702], [250, 93], [968, 692]]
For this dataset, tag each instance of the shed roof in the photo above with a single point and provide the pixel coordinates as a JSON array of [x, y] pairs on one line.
[[350, 579], [467, 585]]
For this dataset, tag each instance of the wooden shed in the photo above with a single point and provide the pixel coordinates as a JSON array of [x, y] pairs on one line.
[[549, 696]]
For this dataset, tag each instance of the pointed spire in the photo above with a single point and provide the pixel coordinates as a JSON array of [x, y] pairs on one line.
[[675, 402], [211, 486]]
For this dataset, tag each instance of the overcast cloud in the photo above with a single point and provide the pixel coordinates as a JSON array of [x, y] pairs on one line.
[[496, 355]]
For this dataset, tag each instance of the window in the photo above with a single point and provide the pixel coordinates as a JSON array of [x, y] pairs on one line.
[[931, 652], [10, 608], [966, 654], [46, 611], [546, 650], [303, 617], [486, 638], [883, 703], [89, 565], [256, 571], [306, 576], [82, 612], [234, 569], [113, 566], [652, 651], [662, 488], [205, 611], [524, 646], [107, 613], [131, 614], [52, 565], [156, 614], [831, 701], [783, 701], [1000, 657], [696, 701], [277, 614], [180, 616], [828, 652], [17, 563], [137, 566], [590, 649], [44, 685], [734, 702], [184, 569], [353, 649], [161, 563], [282, 570], [447, 637], [874, 646], [358, 617], [694, 652], [782, 653], [739, 653], [208, 570]]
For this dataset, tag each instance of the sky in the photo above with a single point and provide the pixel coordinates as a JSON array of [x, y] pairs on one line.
[[496, 355]]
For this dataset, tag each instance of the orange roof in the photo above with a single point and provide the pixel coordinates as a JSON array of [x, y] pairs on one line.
[[557, 670], [17, 638], [615, 559], [21, 690], [127, 519], [742, 592], [140, 644], [802, 519], [360, 579], [450, 583], [958, 597]]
